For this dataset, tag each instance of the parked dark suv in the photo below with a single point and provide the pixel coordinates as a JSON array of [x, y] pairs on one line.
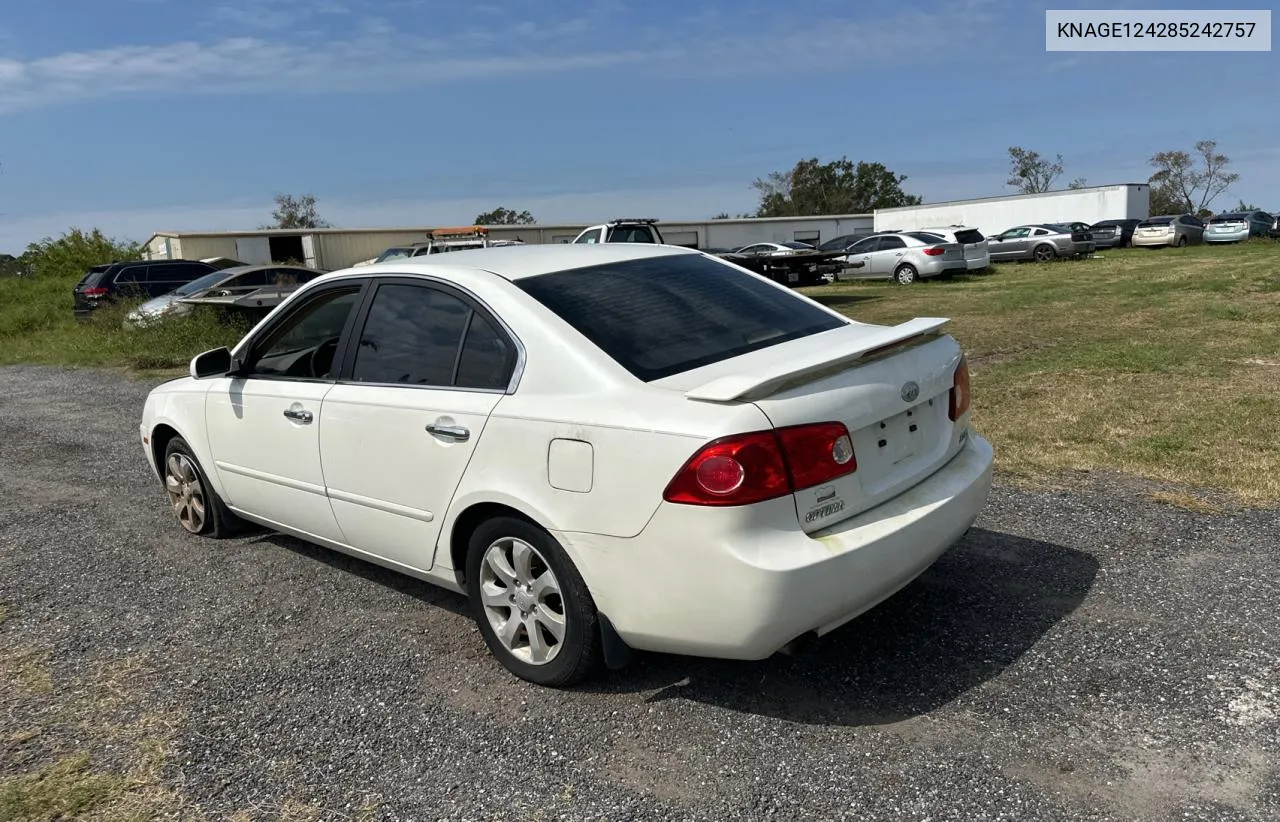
[[136, 279]]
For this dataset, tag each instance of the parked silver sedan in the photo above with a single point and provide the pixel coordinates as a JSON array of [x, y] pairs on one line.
[[1169, 229], [903, 257], [1041, 242]]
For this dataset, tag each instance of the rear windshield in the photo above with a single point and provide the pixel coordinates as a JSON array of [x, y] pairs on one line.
[[1157, 221], [95, 276], [969, 235], [1230, 218], [664, 315]]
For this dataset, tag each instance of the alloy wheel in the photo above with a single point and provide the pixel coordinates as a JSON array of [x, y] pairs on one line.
[[522, 600], [186, 492]]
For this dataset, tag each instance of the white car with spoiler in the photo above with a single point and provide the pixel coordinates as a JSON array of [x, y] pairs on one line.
[[605, 447]]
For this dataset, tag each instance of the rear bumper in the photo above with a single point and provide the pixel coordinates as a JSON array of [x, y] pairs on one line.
[[934, 268], [1083, 247], [1226, 236], [743, 586], [1157, 240]]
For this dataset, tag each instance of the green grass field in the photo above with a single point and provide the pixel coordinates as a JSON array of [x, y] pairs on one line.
[[1158, 363], [1161, 364]]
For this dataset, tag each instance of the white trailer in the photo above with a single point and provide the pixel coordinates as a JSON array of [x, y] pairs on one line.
[[991, 215]]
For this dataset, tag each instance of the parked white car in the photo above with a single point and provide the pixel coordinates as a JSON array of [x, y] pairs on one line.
[[606, 447], [976, 254]]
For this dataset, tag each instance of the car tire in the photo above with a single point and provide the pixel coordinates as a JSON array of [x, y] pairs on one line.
[[1043, 253], [196, 506], [508, 563], [905, 274], [1182, 241]]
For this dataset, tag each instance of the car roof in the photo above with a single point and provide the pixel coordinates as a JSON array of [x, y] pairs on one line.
[[515, 262]]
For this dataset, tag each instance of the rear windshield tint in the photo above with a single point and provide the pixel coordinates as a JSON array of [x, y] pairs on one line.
[[1230, 218], [95, 276], [1157, 221], [969, 235], [664, 315]]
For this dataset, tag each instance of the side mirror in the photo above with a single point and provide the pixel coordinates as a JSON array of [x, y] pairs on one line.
[[215, 363]]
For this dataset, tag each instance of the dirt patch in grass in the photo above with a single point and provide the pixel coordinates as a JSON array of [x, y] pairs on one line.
[[1158, 364]]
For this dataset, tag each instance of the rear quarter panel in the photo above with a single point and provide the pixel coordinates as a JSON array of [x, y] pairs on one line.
[[637, 440]]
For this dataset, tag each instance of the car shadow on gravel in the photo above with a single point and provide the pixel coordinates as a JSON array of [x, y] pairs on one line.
[[973, 614]]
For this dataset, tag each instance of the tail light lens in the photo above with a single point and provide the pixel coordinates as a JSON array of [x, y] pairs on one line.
[[94, 292], [959, 391], [763, 465], [732, 471], [935, 251]]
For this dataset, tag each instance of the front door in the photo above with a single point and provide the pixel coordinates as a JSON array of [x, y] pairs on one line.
[[1010, 244], [428, 368], [264, 423], [858, 260]]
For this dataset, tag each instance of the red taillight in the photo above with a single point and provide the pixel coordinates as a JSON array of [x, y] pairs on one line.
[[817, 453], [94, 292], [936, 251], [959, 391], [732, 471], [763, 465]]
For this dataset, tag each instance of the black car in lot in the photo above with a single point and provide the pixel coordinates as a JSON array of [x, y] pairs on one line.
[[1113, 233], [134, 279]]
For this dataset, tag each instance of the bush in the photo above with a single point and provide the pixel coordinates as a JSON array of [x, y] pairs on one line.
[[75, 252]]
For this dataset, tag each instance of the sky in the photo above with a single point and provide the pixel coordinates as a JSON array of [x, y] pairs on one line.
[[137, 116]]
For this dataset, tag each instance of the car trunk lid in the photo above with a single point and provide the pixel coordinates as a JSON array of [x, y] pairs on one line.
[[889, 386]]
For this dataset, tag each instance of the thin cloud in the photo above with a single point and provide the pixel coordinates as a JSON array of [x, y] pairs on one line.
[[381, 56]]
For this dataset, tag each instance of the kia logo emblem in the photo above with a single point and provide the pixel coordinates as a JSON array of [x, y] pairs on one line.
[[910, 391]]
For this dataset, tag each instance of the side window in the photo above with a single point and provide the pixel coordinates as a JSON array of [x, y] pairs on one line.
[[592, 236], [132, 275], [487, 357], [304, 345], [864, 246], [1040, 232], [411, 336], [1019, 232], [891, 243]]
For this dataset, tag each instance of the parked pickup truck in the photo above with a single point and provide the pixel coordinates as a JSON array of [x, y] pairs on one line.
[[623, 230]]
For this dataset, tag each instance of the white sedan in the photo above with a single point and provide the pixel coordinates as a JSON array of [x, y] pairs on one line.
[[606, 447]]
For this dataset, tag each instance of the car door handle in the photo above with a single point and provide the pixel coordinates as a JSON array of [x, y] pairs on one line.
[[449, 432], [299, 415]]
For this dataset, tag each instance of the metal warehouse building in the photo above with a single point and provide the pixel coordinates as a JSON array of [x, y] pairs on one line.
[[334, 248], [991, 215]]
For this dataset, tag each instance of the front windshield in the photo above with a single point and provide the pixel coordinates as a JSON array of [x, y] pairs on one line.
[[207, 281], [393, 254]]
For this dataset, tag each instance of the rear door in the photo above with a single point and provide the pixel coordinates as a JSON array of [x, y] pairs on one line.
[[887, 256], [424, 371]]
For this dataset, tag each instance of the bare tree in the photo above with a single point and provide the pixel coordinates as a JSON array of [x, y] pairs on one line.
[[1032, 174], [1192, 180]]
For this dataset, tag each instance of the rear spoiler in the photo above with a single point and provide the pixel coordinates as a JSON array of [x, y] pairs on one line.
[[846, 348]]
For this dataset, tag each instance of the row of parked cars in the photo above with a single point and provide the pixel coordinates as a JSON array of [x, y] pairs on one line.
[[908, 256], [170, 288]]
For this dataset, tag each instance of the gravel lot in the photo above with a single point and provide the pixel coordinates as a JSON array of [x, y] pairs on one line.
[[1080, 655]]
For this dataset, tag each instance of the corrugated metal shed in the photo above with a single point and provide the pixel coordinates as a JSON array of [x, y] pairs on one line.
[[335, 248]]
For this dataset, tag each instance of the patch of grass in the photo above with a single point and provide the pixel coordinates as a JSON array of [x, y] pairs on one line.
[[26, 671], [1187, 502], [65, 789], [1159, 365], [37, 326]]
